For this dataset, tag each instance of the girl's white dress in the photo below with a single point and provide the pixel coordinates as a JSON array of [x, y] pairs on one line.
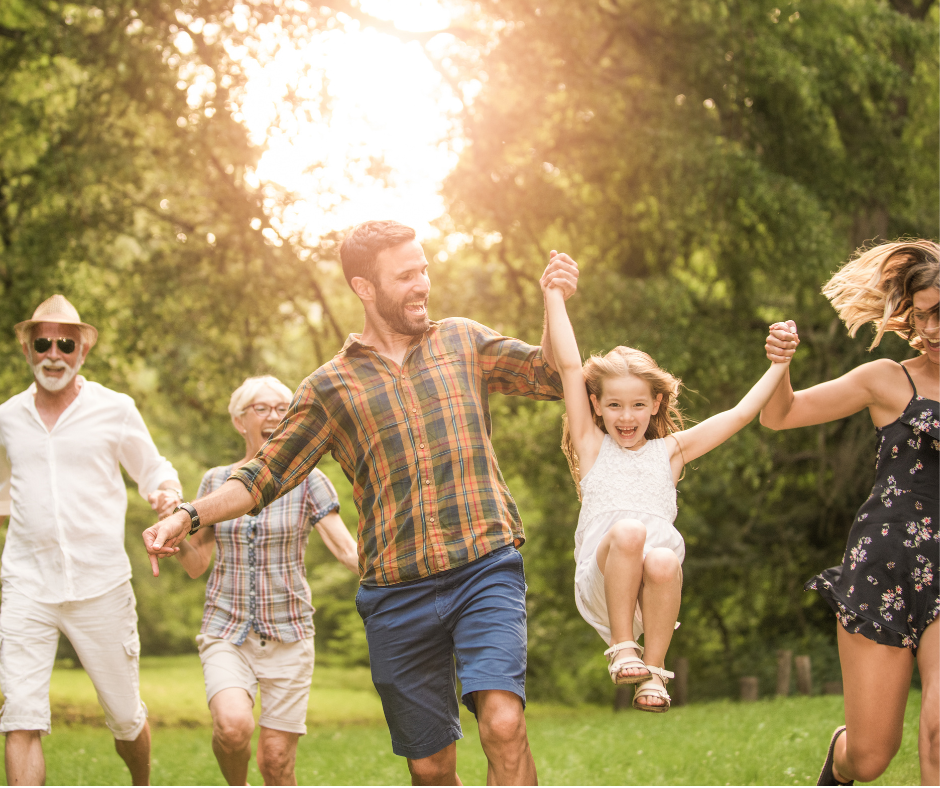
[[622, 485]]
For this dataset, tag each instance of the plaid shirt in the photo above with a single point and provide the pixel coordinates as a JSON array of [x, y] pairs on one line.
[[259, 580], [415, 443]]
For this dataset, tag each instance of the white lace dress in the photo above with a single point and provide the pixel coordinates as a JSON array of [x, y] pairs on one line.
[[622, 484]]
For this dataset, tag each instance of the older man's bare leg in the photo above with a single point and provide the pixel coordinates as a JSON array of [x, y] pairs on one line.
[[23, 758], [136, 754]]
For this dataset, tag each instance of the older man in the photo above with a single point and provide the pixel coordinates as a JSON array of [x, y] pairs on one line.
[[64, 568], [404, 409]]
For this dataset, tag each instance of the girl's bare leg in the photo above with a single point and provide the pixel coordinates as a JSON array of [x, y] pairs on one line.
[[877, 680], [928, 742], [620, 559], [659, 600]]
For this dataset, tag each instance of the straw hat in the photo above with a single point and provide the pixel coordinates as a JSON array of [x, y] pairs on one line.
[[56, 309]]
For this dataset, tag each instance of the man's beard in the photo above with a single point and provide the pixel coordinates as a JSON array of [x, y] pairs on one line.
[[396, 316], [54, 384]]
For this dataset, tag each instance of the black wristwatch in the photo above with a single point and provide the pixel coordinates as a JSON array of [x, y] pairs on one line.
[[193, 515]]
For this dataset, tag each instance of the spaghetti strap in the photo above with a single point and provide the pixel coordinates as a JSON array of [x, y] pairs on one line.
[[910, 379]]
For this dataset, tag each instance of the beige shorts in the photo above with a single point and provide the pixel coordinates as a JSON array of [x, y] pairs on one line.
[[103, 632], [283, 672]]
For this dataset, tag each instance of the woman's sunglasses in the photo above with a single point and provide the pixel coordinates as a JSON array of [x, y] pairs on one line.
[[43, 344]]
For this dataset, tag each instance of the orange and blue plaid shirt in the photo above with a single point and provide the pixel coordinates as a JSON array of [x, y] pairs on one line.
[[415, 443]]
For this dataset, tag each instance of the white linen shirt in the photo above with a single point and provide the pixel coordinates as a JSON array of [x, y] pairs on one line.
[[65, 495]]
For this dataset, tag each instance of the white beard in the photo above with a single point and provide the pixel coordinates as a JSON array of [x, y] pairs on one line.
[[54, 384]]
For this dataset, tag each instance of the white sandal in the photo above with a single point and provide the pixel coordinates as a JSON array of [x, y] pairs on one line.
[[649, 689], [615, 666]]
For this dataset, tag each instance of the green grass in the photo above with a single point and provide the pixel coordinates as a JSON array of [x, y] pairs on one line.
[[771, 742]]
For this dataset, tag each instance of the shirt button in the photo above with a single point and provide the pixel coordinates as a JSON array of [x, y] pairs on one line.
[[420, 445], [430, 518], [427, 481], [414, 410]]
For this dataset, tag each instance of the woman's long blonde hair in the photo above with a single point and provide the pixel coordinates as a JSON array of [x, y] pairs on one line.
[[878, 285], [619, 362]]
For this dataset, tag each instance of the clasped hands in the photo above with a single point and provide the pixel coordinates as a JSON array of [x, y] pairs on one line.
[[561, 272], [782, 342]]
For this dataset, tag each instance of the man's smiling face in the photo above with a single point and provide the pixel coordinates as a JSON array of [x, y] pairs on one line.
[[402, 288]]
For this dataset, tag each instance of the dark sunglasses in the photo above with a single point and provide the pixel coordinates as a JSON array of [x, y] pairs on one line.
[[43, 344]]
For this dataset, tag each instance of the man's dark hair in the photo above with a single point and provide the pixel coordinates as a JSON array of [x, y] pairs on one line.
[[365, 241]]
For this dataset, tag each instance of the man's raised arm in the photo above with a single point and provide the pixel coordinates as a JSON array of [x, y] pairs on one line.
[[231, 500]]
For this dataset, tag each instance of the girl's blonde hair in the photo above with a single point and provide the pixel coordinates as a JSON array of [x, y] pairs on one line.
[[619, 362], [878, 285]]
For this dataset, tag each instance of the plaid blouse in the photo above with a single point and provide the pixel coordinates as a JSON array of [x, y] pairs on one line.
[[259, 581], [415, 443]]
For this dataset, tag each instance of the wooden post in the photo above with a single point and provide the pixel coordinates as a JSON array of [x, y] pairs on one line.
[[832, 688], [748, 688], [804, 675], [623, 697], [784, 662], [680, 695]]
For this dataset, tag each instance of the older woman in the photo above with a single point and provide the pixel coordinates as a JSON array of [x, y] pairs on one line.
[[257, 629]]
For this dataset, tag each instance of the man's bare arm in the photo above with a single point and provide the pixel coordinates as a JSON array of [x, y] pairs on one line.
[[231, 500]]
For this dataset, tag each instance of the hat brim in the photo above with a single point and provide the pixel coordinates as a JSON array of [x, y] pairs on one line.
[[89, 333]]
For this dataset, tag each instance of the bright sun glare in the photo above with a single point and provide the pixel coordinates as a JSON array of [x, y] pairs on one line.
[[356, 122]]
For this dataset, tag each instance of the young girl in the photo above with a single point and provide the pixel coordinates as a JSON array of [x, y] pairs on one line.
[[626, 448], [885, 593]]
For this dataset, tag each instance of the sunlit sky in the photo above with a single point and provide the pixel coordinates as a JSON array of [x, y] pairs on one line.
[[367, 134]]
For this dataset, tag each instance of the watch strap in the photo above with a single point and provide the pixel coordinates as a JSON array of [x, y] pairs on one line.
[[193, 515]]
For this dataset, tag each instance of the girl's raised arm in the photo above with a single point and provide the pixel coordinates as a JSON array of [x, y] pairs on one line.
[[714, 431], [585, 434]]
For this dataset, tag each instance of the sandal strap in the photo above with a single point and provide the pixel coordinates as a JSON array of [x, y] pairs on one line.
[[664, 674], [625, 644], [644, 689]]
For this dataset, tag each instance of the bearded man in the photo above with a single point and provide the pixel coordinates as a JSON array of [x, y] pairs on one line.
[[64, 568], [404, 409]]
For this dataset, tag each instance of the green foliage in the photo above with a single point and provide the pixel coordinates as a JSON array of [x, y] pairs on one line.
[[708, 164]]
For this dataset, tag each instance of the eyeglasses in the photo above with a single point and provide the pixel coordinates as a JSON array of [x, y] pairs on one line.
[[44, 344], [264, 410]]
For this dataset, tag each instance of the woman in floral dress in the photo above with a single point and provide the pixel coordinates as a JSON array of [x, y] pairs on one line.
[[885, 593]]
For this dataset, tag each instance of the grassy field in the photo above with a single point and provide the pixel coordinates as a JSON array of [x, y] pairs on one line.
[[772, 742]]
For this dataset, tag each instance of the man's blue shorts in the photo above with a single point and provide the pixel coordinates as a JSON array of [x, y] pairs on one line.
[[415, 629]]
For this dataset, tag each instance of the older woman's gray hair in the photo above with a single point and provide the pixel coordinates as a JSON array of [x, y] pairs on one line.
[[245, 394]]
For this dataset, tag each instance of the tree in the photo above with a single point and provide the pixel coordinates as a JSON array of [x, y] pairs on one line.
[[708, 164], [125, 182]]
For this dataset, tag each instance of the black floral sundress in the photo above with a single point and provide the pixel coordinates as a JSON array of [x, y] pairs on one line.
[[887, 586]]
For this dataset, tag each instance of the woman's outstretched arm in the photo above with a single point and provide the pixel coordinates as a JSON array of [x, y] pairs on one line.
[[873, 385]]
